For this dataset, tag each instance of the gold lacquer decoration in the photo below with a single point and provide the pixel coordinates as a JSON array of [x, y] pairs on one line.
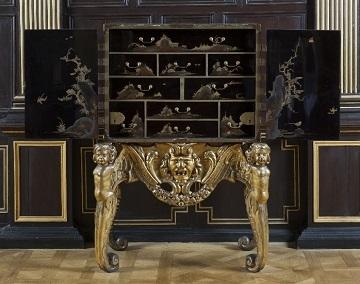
[[181, 166]]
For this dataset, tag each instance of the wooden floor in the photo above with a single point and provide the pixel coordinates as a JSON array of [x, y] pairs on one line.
[[181, 263]]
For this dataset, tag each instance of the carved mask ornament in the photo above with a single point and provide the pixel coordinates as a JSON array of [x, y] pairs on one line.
[[181, 167]]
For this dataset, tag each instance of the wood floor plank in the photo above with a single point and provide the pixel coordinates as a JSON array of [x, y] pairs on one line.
[[172, 263]]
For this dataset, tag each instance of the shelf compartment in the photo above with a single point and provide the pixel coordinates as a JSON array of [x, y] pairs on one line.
[[126, 119], [182, 129], [182, 110], [132, 64], [237, 120], [144, 89], [220, 89]]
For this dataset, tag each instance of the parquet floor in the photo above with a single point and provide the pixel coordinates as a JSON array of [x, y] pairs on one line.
[[162, 263]]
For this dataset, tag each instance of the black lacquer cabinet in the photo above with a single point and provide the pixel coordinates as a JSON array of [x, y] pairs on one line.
[[198, 82]]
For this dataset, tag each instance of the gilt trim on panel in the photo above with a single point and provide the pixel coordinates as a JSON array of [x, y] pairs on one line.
[[316, 183], [5, 194], [17, 206]]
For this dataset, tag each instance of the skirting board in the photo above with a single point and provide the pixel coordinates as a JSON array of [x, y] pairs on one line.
[[330, 238]]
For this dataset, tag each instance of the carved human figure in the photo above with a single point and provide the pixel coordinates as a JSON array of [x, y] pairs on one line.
[[107, 197], [256, 196]]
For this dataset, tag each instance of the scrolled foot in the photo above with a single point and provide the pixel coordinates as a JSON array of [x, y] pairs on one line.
[[245, 243], [113, 263], [119, 244], [253, 264]]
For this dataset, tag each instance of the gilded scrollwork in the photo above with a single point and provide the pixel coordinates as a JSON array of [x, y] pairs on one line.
[[181, 166]]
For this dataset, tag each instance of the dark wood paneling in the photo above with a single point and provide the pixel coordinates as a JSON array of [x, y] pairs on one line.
[[96, 22], [7, 2], [40, 181], [272, 2], [339, 181], [94, 3], [193, 19], [268, 21], [7, 60], [185, 2]]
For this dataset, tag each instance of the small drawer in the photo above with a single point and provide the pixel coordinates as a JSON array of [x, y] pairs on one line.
[[182, 65], [232, 65], [182, 110], [182, 129], [132, 65], [126, 119], [144, 89], [237, 120], [220, 89]]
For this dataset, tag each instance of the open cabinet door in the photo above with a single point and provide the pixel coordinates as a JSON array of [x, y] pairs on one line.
[[303, 84], [61, 83]]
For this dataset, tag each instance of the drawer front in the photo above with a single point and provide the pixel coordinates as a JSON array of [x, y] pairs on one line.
[[182, 110], [133, 65], [126, 120], [220, 89], [182, 64], [182, 40], [177, 129], [232, 64], [144, 89], [237, 120]]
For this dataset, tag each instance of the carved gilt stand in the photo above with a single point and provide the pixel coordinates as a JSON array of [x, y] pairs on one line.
[[181, 165]]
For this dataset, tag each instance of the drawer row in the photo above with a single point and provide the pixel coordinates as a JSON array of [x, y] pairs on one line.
[[175, 89], [182, 119], [182, 65], [182, 40]]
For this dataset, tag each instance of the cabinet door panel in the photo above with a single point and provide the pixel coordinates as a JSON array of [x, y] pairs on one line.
[[61, 83], [303, 73]]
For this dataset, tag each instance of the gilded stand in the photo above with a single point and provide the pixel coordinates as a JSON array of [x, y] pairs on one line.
[[181, 165]]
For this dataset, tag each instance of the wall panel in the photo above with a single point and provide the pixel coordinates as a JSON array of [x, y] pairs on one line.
[[7, 60], [40, 181]]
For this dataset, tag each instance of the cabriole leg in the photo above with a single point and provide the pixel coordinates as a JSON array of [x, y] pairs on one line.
[[104, 216]]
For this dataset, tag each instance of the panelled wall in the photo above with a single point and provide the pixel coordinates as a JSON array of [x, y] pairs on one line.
[[51, 200]]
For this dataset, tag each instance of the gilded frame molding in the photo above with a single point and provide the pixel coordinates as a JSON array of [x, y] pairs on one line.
[[316, 183], [5, 160], [17, 206]]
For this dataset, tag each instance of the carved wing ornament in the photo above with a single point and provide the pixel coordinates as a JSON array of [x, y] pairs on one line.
[[182, 165]]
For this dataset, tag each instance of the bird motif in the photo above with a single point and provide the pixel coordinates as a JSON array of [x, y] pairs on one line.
[[332, 110], [41, 99]]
